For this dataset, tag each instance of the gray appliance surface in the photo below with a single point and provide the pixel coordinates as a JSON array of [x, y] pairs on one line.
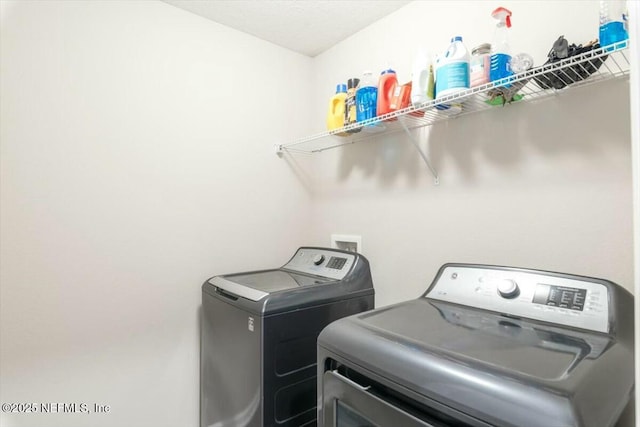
[[259, 332], [312, 276], [276, 280], [503, 346]]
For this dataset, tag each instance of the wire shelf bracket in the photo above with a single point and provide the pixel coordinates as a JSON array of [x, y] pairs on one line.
[[414, 141]]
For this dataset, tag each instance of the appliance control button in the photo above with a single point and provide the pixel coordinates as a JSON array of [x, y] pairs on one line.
[[318, 259], [508, 288]]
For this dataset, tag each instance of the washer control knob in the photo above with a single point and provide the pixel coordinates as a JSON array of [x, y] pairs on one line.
[[318, 259], [508, 288]]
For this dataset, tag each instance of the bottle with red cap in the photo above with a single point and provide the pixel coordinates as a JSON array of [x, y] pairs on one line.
[[500, 66]]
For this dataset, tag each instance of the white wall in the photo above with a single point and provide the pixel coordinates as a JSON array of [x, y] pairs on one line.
[[136, 161], [544, 185]]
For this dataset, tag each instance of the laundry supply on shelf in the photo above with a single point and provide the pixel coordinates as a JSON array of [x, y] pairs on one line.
[[613, 22], [500, 50], [561, 50], [336, 113], [452, 69], [420, 80], [452, 109], [401, 97], [366, 97], [387, 84], [350, 107], [480, 64]]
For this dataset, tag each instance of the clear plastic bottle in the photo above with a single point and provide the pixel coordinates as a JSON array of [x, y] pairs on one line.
[[613, 16], [366, 97], [500, 51]]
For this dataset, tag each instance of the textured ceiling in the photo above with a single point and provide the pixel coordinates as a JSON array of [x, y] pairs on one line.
[[305, 26]]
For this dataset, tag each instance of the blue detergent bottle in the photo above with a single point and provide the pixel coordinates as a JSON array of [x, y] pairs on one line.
[[500, 60], [366, 97]]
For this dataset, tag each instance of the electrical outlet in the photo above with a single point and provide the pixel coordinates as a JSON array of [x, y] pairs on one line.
[[347, 242]]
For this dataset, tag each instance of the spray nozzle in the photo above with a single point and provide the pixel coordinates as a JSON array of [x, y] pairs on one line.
[[503, 15]]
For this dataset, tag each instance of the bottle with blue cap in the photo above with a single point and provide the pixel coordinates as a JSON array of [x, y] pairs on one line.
[[336, 113], [452, 69], [366, 97]]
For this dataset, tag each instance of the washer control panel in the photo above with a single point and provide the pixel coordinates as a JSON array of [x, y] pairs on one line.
[[321, 262], [566, 301]]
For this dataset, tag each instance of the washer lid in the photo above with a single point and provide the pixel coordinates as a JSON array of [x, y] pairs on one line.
[[257, 285]]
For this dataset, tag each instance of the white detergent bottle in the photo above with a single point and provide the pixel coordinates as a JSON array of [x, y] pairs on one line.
[[420, 78], [452, 69]]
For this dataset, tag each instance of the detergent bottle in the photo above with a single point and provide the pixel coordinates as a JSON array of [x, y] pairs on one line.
[[401, 96], [350, 104], [336, 113], [500, 52], [366, 97], [420, 78], [613, 19], [386, 88], [452, 69]]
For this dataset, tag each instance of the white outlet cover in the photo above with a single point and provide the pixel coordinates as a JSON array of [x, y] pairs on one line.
[[338, 241]]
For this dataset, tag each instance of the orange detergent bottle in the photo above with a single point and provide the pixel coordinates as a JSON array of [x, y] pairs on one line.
[[386, 88], [336, 113], [402, 99]]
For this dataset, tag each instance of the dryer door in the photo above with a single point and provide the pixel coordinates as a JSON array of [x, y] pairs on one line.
[[346, 403]]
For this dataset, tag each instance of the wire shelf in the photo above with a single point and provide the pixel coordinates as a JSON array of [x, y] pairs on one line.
[[537, 83]]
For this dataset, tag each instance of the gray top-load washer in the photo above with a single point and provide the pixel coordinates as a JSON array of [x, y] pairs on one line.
[[484, 346], [259, 332]]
